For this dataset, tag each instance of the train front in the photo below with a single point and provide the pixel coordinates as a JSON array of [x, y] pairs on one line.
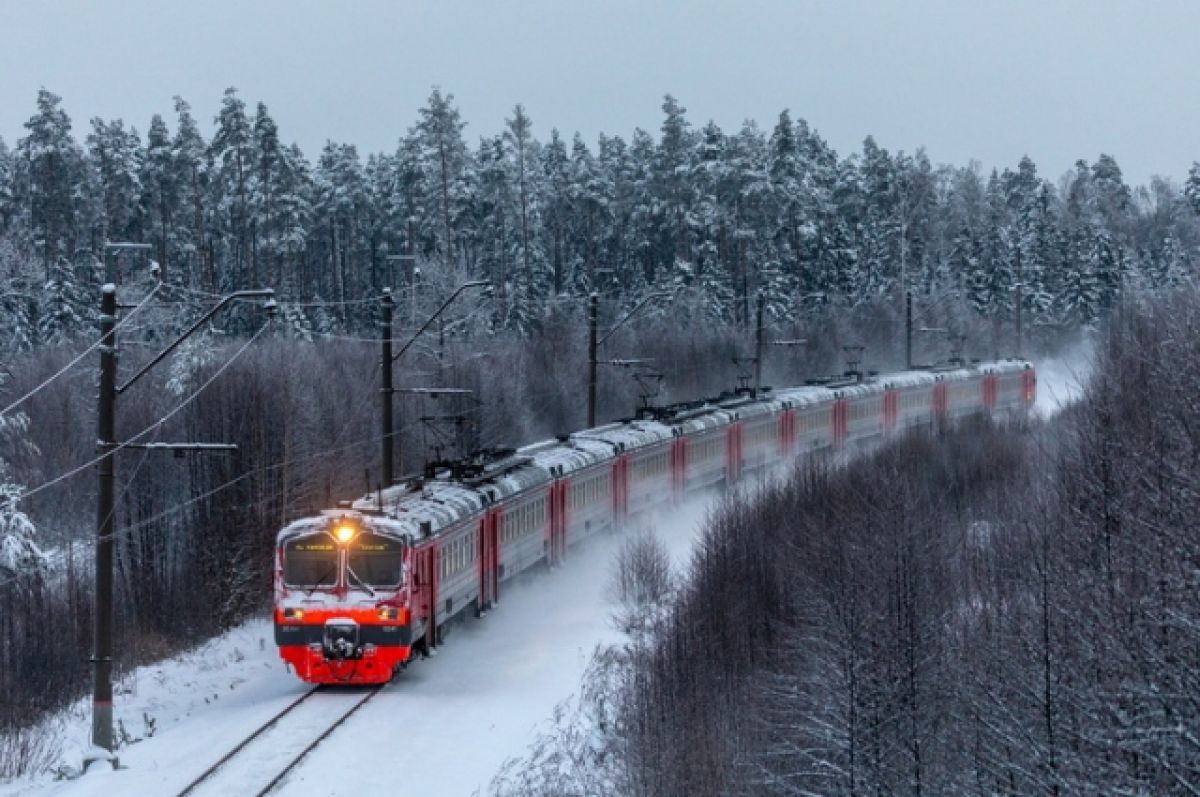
[[342, 598]]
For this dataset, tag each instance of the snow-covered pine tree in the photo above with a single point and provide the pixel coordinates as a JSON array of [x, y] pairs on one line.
[[673, 192], [1191, 188], [714, 227], [160, 193], [192, 169], [19, 553], [535, 280], [589, 212], [116, 155], [556, 212], [879, 237], [232, 151], [340, 194], [63, 306], [262, 190], [292, 214], [50, 165], [1043, 272], [438, 133], [613, 164], [791, 200], [8, 209], [643, 232], [411, 194]]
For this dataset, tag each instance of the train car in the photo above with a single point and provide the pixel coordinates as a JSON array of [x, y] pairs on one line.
[[360, 589]]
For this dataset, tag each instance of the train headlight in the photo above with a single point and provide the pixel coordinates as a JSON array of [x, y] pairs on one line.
[[293, 614], [344, 533], [388, 612]]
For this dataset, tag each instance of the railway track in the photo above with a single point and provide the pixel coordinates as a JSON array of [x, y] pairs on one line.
[[262, 760]]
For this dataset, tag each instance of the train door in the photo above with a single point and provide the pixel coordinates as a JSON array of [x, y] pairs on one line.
[[891, 409], [556, 525], [678, 463], [787, 433], [620, 489], [839, 421], [425, 589], [940, 400], [991, 390], [489, 558], [733, 453]]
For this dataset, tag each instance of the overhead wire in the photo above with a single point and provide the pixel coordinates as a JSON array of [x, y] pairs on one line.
[[541, 398], [131, 440], [46, 383], [282, 302], [124, 531]]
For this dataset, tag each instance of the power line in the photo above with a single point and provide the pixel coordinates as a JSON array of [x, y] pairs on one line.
[[82, 354], [151, 427], [322, 453]]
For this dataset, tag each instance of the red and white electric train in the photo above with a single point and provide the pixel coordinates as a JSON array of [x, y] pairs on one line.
[[360, 589]]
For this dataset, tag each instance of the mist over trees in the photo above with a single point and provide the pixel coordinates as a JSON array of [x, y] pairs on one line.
[[992, 609], [728, 214]]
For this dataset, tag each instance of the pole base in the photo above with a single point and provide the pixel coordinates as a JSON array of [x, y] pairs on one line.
[[96, 755]]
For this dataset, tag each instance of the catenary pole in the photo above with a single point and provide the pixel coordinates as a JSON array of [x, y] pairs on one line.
[[102, 655], [385, 328], [102, 709], [908, 330], [758, 345], [1020, 301], [593, 307]]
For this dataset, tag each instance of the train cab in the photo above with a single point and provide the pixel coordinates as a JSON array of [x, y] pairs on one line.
[[342, 598]]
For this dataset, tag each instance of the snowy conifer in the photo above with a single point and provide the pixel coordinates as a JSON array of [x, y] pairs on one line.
[[50, 167], [443, 157]]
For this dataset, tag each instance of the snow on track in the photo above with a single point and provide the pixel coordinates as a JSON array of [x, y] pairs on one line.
[[444, 726]]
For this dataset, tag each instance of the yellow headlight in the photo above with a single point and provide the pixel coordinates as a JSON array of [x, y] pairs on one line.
[[344, 533]]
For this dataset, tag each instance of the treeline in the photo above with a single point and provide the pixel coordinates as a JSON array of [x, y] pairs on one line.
[[986, 610], [727, 214]]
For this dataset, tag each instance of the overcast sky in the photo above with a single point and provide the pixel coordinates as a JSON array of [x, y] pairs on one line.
[[992, 81]]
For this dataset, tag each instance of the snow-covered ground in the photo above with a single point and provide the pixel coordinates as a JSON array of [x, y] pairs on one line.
[[445, 726]]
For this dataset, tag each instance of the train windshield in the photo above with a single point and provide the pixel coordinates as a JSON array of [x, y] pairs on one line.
[[310, 561], [373, 560]]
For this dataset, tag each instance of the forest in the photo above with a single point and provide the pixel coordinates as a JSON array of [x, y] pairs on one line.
[[705, 220], [1002, 608], [726, 215]]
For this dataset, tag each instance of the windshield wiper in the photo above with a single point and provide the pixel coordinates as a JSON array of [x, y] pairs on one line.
[[361, 583], [319, 585]]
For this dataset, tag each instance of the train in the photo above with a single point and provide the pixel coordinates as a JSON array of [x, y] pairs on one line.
[[362, 588]]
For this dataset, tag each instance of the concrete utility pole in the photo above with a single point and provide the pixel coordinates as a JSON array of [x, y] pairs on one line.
[[593, 306], [1020, 302], [758, 346], [102, 696], [385, 329], [102, 709], [908, 330]]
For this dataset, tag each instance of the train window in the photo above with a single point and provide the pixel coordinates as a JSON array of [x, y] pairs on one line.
[[373, 560], [310, 561]]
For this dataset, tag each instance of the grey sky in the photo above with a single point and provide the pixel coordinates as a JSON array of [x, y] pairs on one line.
[[990, 81]]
